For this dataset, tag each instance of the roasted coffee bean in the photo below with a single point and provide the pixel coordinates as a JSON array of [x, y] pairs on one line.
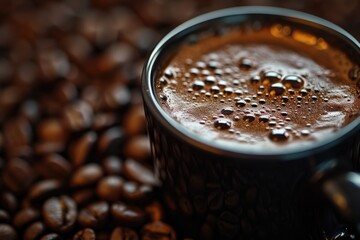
[[78, 116], [25, 217], [51, 236], [155, 211], [54, 166], [7, 232], [112, 165], [84, 196], [157, 230], [110, 141], [94, 215], [59, 213], [8, 201], [34, 231], [135, 122], [80, 149], [109, 188], [137, 193], [51, 130], [138, 172], [138, 148], [126, 215], [85, 234], [86, 175], [121, 233], [46, 148], [17, 176], [44, 189], [4, 216], [103, 121], [228, 224], [116, 96], [17, 135]]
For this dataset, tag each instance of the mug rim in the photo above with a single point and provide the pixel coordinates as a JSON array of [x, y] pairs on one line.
[[177, 129]]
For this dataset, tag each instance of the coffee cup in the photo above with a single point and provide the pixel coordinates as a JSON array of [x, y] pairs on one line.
[[223, 178]]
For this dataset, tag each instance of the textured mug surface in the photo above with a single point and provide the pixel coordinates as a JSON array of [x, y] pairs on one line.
[[225, 193]]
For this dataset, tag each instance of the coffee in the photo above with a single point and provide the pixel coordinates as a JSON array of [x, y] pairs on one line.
[[273, 85]]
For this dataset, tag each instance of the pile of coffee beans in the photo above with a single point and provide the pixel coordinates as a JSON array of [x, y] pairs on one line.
[[74, 156]]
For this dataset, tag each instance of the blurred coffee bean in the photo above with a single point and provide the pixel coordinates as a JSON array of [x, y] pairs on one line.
[[25, 217], [137, 193], [54, 166], [4, 216], [17, 176], [46, 148], [7, 232], [157, 230], [135, 122], [86, 175], [112, 165], [8, 201], [121, 233], [80, 149], [84, 196], [30, 110], [155, 211], [109, 188], [65, 92], [51, 130], [138, 172], [126, 215], [53, 63], [17, 134], [78, 116], [85, 234], [34, 231], [44, 189], [116, 96], [103, 121], [59, 213], [110, 141], [51, 236], [138, 148], [94, 215]]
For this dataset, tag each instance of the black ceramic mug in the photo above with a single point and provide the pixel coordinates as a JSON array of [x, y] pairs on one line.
[[217, 192]]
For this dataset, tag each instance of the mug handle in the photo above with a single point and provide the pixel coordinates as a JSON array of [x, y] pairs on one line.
[[342, 189]]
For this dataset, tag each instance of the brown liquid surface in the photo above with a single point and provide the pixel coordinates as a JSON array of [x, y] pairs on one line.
[[275, 86]]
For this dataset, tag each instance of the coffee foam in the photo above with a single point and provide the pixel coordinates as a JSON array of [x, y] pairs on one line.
[[275, 86]]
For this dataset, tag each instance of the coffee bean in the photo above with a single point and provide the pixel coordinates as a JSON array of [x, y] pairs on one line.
[[4, 216], [109, 188], [78, 116], [157, 230], [51, 236], [51, 130], [86, 175], [34, 231], [44, 189], [126, 215], [85, 234], [138, 148], [155, 211], [7, 232], [136, 193], [59, 213], [54, 166], [112, 165], [25, 217], [84, 196], [46, 148], [116, 96], [17, 176], [95, 215], [103, 121], [8, 201], [121, 233], [17, 135], [110, 141], [228, 224], [135, 122], [80, 149], [139, 173]]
